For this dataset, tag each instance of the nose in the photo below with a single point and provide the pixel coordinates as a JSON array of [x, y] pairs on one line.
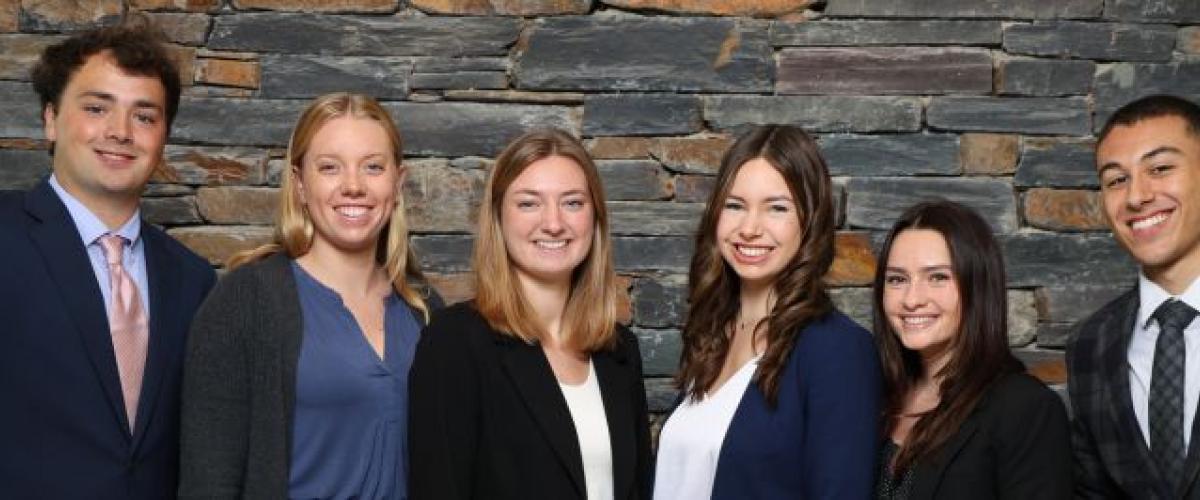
[[750, 227], [914, 296], [552, 223], [117, 128], [352, 184], [1139, 192]]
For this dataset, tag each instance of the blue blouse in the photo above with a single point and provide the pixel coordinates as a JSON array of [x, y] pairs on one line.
[[350, 427]]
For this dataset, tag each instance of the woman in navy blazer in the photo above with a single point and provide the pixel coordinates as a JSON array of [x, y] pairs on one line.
[[781, 391], [962, 419]]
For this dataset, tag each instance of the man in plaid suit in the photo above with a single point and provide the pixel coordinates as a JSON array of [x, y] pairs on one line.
[[1135, 363]]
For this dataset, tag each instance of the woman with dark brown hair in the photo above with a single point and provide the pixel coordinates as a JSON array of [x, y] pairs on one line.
[[961, 418], [781, 391]]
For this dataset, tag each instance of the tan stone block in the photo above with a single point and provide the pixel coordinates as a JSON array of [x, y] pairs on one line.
[[755, 8], [694, 188], [19, 52], [989, 154], [503, 7], [442, 198], [453, 287], [69, 13], [318, 5], [1053, 371], [1189, 40], [9, 10], [619, 148], [22, 143], [238, 204], [699, 155], [176, 5], [853, 261], [1022, 317], [229, 73], [1063, 209], [199, 165], [185, 28], [185, 61], [218, 243]]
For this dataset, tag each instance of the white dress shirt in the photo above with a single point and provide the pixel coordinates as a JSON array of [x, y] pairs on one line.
[[1141, 355]]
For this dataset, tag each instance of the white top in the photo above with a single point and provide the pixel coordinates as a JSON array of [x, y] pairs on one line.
[[690, 442], [1141, 355], [591, 426]]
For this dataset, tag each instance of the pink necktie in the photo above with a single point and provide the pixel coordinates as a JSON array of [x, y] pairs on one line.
[[128, 324]]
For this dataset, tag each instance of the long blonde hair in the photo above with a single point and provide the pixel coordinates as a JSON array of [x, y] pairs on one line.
[[590, 315], [294, 227]]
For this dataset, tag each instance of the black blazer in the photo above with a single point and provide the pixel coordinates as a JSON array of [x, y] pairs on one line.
[[487, 419], [1015, 444], [1111, 456], [64, 431]]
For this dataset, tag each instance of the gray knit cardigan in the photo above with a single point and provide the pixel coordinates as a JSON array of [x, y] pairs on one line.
[[239, 384]]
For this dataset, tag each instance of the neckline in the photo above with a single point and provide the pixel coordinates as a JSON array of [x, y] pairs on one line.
[[737, 375], [591, 374]]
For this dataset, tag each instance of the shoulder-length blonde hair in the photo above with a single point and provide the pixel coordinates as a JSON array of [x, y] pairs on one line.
[[590, 316], [294, 227]]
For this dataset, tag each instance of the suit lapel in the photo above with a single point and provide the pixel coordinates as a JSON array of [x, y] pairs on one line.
[[531, 374], [614, 381], [928, 475], [67, 263], [1192, 466], [162, 310]]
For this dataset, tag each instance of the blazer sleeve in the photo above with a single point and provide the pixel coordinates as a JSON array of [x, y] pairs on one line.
[[1033, 445], [443, 414], [842, 420], [215, 400]]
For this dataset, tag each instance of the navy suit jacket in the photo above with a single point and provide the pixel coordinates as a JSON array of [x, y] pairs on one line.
[[822, 438], [63, 431]]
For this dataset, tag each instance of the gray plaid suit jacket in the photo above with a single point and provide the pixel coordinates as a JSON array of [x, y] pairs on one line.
[[1111, 456]]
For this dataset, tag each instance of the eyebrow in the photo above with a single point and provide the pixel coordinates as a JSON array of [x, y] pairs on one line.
[[1161, 150], [938, 267], [105, 96], [769, 199], [535, 192]]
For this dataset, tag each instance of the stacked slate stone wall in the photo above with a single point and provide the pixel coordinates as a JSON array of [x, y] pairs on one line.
[[992, 103]]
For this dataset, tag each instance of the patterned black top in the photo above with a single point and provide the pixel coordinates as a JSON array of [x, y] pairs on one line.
[[889, 486]]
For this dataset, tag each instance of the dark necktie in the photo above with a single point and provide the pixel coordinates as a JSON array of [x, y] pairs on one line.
[[1166, 389]]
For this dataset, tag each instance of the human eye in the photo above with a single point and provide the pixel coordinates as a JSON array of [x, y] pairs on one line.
[[146, 118], [574, 203], [327, 167], [1115, 181], [375, 168], [779, 208], [733, 205], [92, 108], [894, 279], [526, 204], [940, 277], [1158, 170]]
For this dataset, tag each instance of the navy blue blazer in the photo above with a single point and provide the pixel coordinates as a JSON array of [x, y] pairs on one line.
[[64, 429], [822, 439]]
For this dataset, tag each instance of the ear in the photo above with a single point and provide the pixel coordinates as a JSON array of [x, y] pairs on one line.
[[48, 116], [299, 185], [403, 170]]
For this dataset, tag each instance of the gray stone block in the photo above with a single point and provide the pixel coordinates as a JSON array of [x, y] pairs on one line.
[[1090, 40], [1044, 77], [464, 80], [660, 394], [660, 351], [885, 32], [815, 113], [1169, 11], [444, 253], [1118, 84], [855, 303], [891, 155], [875, 202], [1045, 259], [1068, 302], [884, 70], [285, 76], [457, 64], [171, 210], [660, 302], [1016, 9], [242, 122], [440, 198], [365, 35], [658, 253], [640, 114], [19, 106], [654, 218], [22, 168], [634, 180], [646, 54], [1022, 318], [1030, 115], [472, 129], [1054, 335], [1056, 163]]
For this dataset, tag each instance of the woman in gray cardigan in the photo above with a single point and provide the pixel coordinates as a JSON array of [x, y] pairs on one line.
[[296, 377]]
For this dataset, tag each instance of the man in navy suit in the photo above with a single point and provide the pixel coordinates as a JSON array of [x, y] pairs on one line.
[[1135, 363], [95, 303]]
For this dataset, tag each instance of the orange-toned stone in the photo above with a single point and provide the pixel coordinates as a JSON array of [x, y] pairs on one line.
[[453, 287], [318, 5], [185, 61], [9, 10], [23, 144], [619, 148], [70, 14], [1189, 40], [1050, 371], [989, 154], [754, 8], [624, 300], [698, 155], [1063, 209], [229, 73], [176, 5], [238, 204], [218, 243], [503, 7], [853, 261]]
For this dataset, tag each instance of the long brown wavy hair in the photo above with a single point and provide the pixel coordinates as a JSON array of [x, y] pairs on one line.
[[714, 287], [979, 353]]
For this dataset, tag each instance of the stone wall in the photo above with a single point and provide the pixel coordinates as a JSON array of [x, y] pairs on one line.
[[990, 103]]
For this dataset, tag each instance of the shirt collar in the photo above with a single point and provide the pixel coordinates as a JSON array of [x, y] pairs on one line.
[[89, 226], [1151, 296]]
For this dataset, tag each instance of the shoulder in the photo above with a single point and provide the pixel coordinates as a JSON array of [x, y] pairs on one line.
[[255, 284], [1016, 397], [1100, 322], [183, 259], [835, 334], [458, 324]]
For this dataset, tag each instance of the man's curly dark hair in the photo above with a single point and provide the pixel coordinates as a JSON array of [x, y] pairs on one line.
[[135, 44]]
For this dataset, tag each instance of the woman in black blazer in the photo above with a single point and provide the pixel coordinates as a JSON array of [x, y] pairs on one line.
[[532, 390], [962, 419]]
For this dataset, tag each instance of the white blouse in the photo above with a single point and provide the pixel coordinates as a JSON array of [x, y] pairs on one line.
[[690, 441], [591, 427]]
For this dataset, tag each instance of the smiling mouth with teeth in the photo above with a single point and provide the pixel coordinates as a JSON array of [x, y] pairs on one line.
[[752, 251], [352, 212], [552, 245], [919, 320], [1148, 222]]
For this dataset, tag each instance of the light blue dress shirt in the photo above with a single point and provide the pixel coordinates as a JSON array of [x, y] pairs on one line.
[[91, 229]]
